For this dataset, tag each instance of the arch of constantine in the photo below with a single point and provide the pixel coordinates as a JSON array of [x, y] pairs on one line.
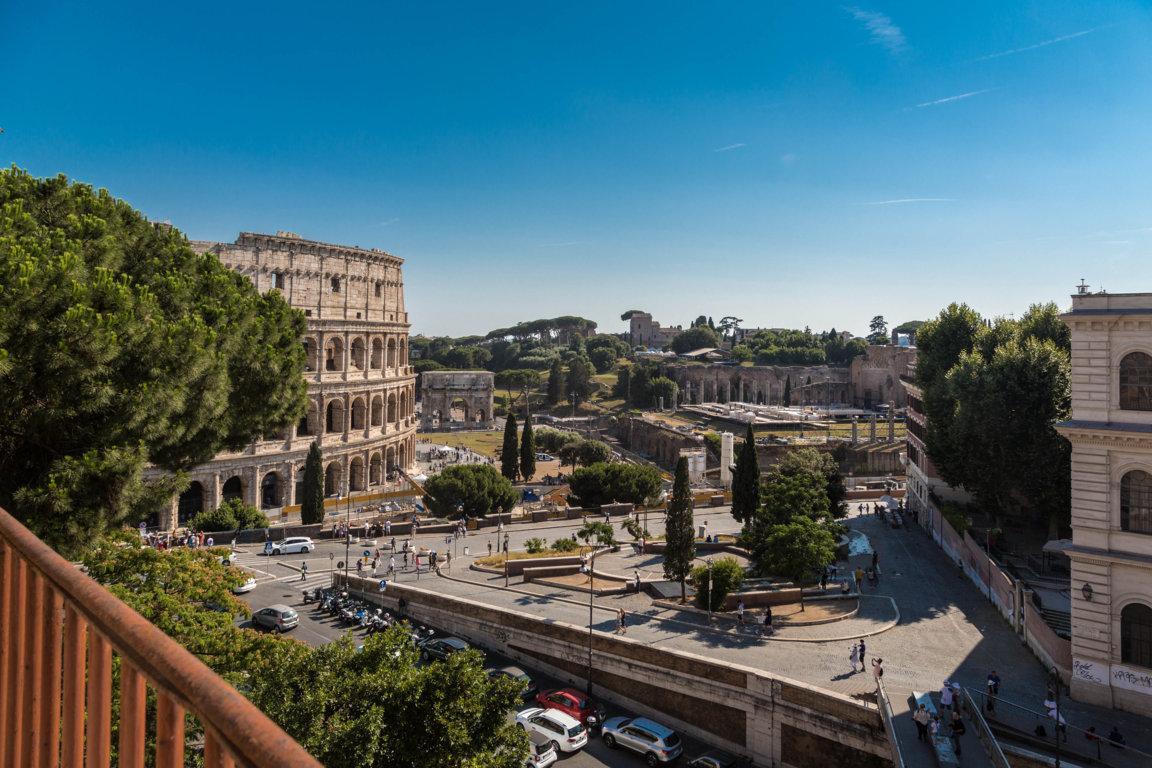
[[361, 390], [456, 400]]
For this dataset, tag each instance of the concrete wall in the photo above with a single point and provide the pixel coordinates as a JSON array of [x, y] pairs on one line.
[[773, 720]]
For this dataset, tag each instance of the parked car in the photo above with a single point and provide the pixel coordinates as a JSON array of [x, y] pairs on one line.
[[248, 585], [277, 618], [545, 457], [572, 702], [289, 546], [564, 731], [657, 743], [440, 648], [541, 754], [714, 759], [516, 673]]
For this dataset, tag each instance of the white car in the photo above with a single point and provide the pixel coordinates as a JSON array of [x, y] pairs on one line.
[[564, 731], [291, 545], [247, 586]]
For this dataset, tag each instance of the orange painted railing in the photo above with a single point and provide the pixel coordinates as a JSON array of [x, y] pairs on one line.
[[59, 631]]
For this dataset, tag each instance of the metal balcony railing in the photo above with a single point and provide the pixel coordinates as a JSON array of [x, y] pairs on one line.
[[59, 631]]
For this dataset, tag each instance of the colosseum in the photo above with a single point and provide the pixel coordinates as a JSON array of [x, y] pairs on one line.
[[360, 386]]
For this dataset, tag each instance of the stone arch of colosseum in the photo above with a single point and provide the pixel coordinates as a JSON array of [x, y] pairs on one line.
[[440, 389]]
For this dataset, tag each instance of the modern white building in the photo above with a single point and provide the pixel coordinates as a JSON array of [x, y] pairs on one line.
[[1111, 435]]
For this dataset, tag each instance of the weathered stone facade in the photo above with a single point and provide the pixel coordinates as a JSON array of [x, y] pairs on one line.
[[871, 379], [456, 400], [1111, 435], [646, 332], [360, 386]]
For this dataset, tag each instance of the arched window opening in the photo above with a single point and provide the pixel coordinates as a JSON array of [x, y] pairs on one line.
[[458, 410], [356, 474], [1136, 382], [358, 412], [335, 283], [1136, 635], [298, 494], [377, 411], [358, 354], [377, 354], [233, 489], [278, 280], [1136, 502], [334, 355], [375, 467], [391, 353], [392, 408], [191, 503], [334, 419], [270, 491], [332, 479]]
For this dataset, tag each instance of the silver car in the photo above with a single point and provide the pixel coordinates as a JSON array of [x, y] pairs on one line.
[[657, 743], [290, 546], [276, 618]]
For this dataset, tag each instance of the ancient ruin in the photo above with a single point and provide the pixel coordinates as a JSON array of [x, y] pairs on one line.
[[456, 400]]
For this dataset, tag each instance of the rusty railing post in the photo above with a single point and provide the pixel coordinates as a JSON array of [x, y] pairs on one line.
[[72, 718]]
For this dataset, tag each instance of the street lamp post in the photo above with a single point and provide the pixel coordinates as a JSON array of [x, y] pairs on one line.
[[590, 567]]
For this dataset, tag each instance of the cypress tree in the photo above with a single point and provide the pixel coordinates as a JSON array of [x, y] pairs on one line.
[[788, 391], [678, 531], [312, 505], [527, 450], [555, 383], [746, 481], [509, 460]]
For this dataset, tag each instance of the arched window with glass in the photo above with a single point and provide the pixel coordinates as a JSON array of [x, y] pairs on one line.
[[1136, 635], [1136, 502], [1136, 382]]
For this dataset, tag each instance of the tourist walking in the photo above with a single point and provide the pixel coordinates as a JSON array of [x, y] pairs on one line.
[[877, 669], [854, 657], [921, 718], [934, 729], [767, 629], [391, 564], [740, 613], [863, 655], [993, 690], [957, 730], [636, 579], [304, 571], [621, 629]]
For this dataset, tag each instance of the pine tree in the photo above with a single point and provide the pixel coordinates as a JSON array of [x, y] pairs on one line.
[[312, 505], [555, 383], [788, 391], [509, 459], [527, 450], [678, 531], [746, 481]]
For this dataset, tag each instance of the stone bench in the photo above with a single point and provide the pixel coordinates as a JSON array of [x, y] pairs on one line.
[[945, 755]]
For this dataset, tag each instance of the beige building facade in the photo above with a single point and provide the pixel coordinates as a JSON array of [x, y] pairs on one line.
[[1111, 436], [361, 390]]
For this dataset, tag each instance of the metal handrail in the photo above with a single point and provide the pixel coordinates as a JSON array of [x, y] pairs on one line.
[[984, 731], [889, 723], [73, 607]]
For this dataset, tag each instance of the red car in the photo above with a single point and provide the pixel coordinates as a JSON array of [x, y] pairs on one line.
[[574, 703]]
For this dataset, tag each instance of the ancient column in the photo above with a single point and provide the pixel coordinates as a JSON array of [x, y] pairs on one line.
[[872, 429], [891, 422], [855, 430]]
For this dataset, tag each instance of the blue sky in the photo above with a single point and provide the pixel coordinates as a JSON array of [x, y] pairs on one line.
[[791, 163]]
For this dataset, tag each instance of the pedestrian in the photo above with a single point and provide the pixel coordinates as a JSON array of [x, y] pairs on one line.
[[375, 562], [863, 654], [500, 527], [391, 564], [359, 565], [636, 579], [921, 718], [875, 559], [621, 629], [388, 530], [946, 696], [854, 656], [211, 542], [934, 728], [740, 613], [304, 571], [405, 559], [448, 559], [392, 545], [505, 544], [767, 620], [489, 548], [859, 578], [824, 579], [877, 669], [957, 730], [993, 690]]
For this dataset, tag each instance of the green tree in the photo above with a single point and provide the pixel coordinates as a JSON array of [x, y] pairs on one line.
[[698, 337], [678, 530], [527, 450], [555, 382], [822, 468], [787, 496], [746, 480], [120, 346], [232, 514], [793, 549], [728, 326], [478, 489], [878, 330], [579, 380], [604, 483], [372, 705], [518, 381], [597, 531], [788, 391], [663, 387], [312, 505], [509, 452], [726, 577], [603, 359]]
